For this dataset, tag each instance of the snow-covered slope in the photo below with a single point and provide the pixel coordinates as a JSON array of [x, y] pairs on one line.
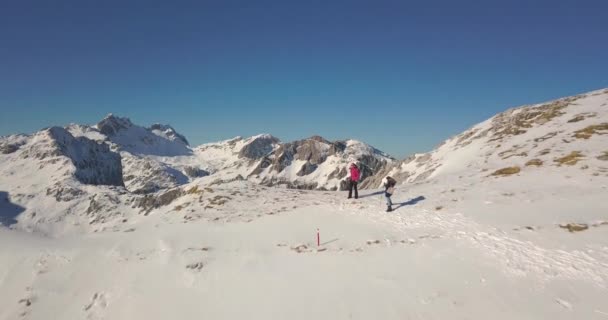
[[565, 137], [202, 251], [53, 177], [88, 161]]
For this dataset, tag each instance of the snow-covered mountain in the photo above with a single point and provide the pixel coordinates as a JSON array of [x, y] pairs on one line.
[[568, 136], [158, 140], [142, 151], [85, 173], [313, 163], [56, 151], [55, 177]]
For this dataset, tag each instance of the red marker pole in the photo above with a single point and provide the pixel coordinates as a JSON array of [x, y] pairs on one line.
[[318, 238]]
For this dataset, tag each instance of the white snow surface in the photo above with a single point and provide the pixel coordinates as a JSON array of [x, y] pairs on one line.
[[255, 257], [461, 243]]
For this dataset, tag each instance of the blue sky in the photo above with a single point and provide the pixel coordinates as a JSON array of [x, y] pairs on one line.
[[400, 75]]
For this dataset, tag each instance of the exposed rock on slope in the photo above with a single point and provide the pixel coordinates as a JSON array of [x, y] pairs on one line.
[[312, 163], [159, 140], [524, 137], [168, 132], [259, 147], [145, 175], [93, 162]]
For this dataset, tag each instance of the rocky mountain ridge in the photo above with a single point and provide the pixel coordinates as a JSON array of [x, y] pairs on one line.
[[90, 178]]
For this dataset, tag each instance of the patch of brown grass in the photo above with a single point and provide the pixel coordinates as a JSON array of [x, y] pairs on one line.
[[587, 132], [534, 162], [506, 171], [570, 159], [515, 121], [219, 200], [194, 190], [577, 118], [583, 116], [551, 110], [521, 154]]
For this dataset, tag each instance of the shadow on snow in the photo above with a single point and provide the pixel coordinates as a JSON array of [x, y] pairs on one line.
[[410, 202], [8, 211]]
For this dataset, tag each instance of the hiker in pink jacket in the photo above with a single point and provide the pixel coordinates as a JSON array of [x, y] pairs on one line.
[[355, 174]]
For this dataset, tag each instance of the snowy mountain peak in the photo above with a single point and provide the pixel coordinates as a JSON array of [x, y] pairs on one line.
[[258, 146], [262, 136], [159, 140], [167, 132], [111, 125]]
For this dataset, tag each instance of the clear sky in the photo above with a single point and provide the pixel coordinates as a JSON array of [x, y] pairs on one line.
[[400, 75]]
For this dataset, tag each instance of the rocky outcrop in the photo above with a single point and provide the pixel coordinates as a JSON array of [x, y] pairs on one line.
[[93, 161], [338, 173], [307, 169], [152, 201], [159, 140], [111, 125], [11, 144], [318, 158], [260, 146], [8, 148], [64, 193], [194, 172], [168, 132], [143, 175], [286, 183]]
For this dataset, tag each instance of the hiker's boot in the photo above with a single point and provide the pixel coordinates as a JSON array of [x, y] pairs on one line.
[[389, 209]]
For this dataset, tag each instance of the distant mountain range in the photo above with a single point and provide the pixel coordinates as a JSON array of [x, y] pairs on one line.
[[105, 172]]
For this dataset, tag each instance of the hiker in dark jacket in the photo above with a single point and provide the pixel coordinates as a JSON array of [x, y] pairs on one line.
[[355, 174], [389, 188]]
